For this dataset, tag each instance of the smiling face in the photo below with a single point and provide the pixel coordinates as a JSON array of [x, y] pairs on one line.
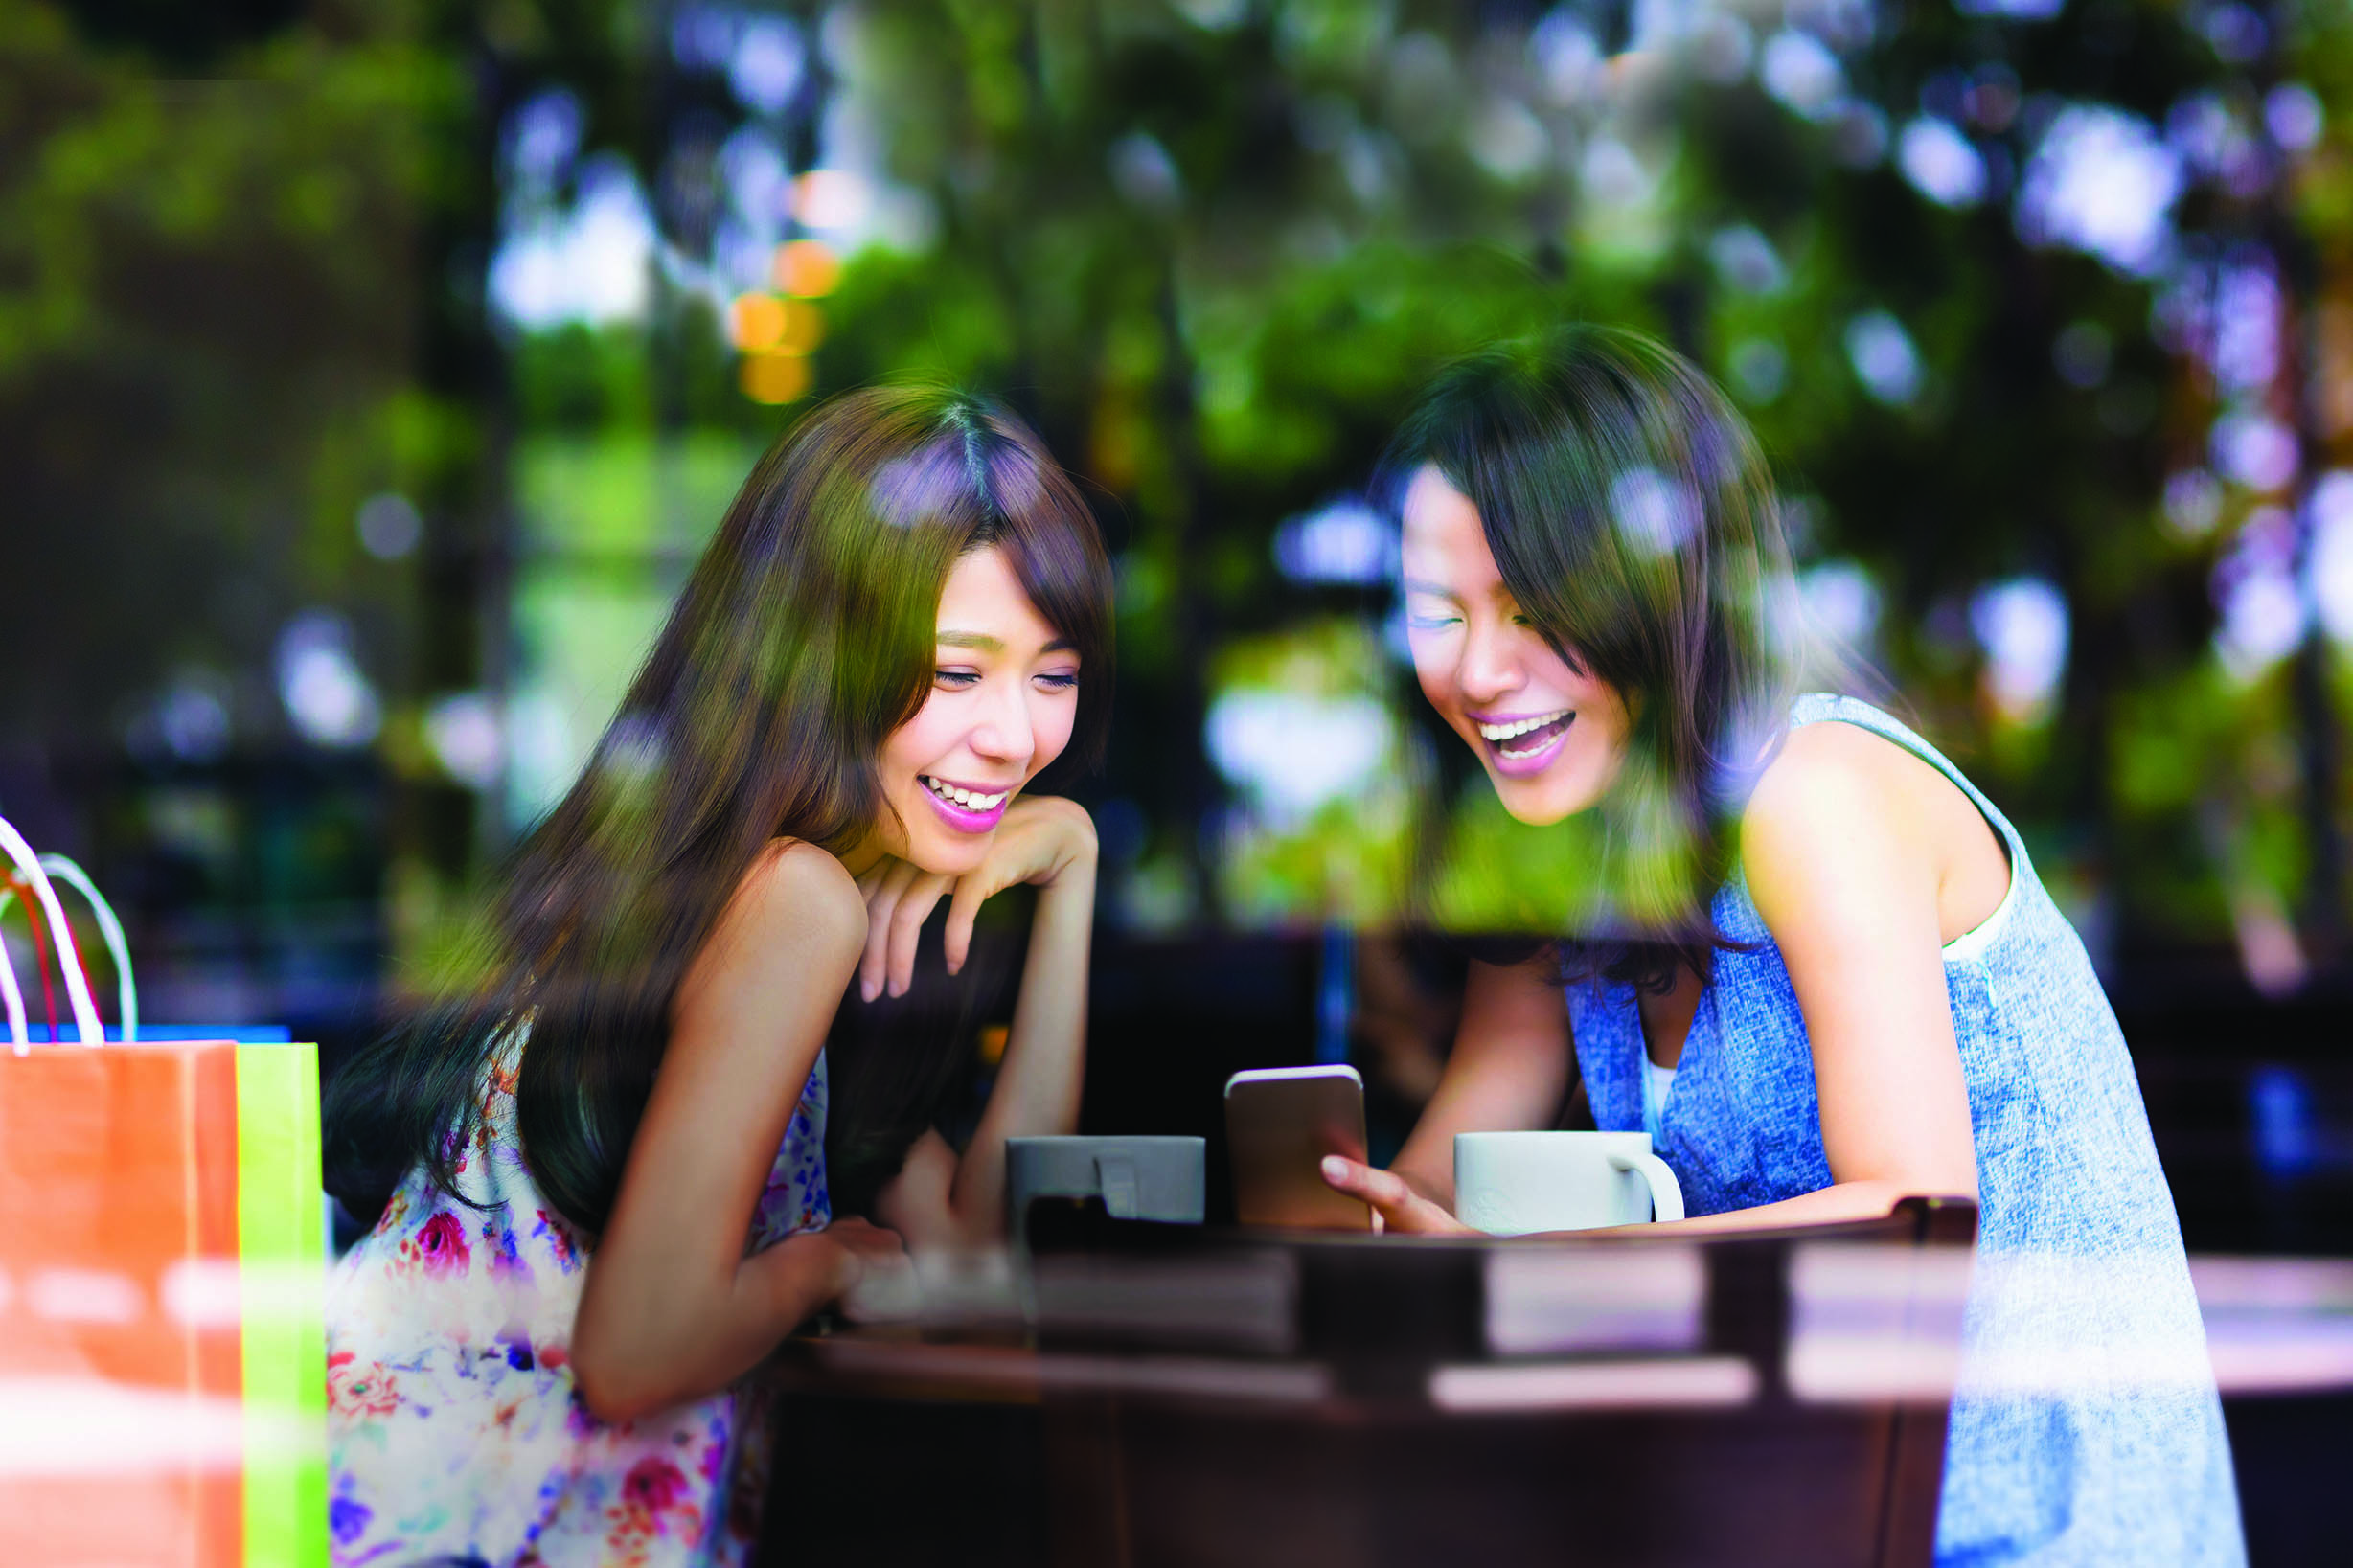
[[1004, 697], [1550, 736]]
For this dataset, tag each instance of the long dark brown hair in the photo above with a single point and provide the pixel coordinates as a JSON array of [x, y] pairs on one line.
[[1635, 522], [803, 639]]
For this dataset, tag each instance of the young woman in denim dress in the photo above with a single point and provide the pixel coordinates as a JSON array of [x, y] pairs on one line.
[[1827, 975], [599, 1164]]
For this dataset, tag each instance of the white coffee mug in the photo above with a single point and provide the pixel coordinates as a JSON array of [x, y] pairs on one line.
[[1516, 1183]]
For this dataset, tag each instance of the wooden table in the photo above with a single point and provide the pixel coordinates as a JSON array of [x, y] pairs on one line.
[[1222, 1399]]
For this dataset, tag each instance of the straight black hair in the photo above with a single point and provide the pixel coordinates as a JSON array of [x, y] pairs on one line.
[[803, 639], [1635, 522]]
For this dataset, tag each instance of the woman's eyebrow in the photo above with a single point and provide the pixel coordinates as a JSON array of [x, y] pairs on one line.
[[1419, 585], [980, 641]]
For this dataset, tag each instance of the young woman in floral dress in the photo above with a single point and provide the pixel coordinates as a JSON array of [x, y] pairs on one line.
[[600, 1166]]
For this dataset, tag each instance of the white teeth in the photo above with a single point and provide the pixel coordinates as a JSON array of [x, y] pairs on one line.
[[1520, 726], [969, 799]]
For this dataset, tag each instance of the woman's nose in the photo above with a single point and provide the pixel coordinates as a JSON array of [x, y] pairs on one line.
[[1005, 733], [1491, 665]]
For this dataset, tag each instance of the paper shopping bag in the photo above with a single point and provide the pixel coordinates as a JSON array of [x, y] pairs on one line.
[[162, 1368]]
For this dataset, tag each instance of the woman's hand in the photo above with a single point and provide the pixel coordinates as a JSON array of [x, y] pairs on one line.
[[1039, 839], [1396, 1205], [919, 1203], [876, 1277]]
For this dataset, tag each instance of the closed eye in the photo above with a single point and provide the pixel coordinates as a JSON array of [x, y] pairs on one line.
[[1061, 680], [955, 679]]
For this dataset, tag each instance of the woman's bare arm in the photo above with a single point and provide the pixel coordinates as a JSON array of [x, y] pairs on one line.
[[1509, 1069], [939, 1198], [671, 1308], [1042, 1076], [1843, 862], [1843, 850]]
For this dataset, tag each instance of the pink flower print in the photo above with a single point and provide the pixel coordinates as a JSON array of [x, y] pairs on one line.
[[655, 1496], [441, 1246], [654, 1485], [363, 1391]]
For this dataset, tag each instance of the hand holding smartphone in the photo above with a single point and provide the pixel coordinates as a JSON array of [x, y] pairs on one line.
[[1279, 1122]]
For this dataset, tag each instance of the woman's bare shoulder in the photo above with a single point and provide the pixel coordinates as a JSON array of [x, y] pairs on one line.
[[796, 891], [1823, 772], [1836, 792], [1841, 803]]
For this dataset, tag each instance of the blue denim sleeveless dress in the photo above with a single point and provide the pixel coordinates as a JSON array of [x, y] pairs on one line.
[[2086, 1428]]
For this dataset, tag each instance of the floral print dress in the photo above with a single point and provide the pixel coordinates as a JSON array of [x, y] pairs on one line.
[[454, 1433]]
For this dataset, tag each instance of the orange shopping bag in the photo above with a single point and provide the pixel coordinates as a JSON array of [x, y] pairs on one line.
[[162, 1347]]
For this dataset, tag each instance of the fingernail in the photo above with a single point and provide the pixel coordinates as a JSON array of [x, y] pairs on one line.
[[1334, 1168], [868, 990], [898, 987]]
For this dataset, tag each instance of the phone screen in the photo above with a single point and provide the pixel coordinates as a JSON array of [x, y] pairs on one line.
[[1279, 1122]]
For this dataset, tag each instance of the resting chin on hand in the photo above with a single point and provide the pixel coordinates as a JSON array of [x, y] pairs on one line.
[[1398, 1204]]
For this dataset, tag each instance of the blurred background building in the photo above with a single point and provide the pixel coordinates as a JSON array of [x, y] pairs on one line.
[[371, 373]]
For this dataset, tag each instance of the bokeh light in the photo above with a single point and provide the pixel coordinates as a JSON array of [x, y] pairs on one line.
[[808, 268], [389, 526], [329, 701], [756, 322], [2024, 627], [775, 378]]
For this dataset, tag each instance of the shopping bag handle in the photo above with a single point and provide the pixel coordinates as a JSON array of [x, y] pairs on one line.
[[10, 885], [15, 1000], [110, 930], [126, 988], [69, 958]]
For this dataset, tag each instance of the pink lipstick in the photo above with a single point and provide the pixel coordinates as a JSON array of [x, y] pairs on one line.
[[1520, 744], [966, 808]]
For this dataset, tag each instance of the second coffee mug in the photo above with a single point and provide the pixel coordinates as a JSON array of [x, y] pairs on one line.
[[1516, 1183]]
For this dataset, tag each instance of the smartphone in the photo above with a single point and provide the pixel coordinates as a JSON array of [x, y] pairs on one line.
[[1279, 1122]]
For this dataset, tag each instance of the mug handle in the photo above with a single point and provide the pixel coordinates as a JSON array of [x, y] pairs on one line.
[[1116, 1180], [1666, 1192]]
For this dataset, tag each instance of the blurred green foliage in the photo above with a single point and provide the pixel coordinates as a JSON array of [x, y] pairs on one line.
[[208, 303], [1220, 323], [1211, 249]]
